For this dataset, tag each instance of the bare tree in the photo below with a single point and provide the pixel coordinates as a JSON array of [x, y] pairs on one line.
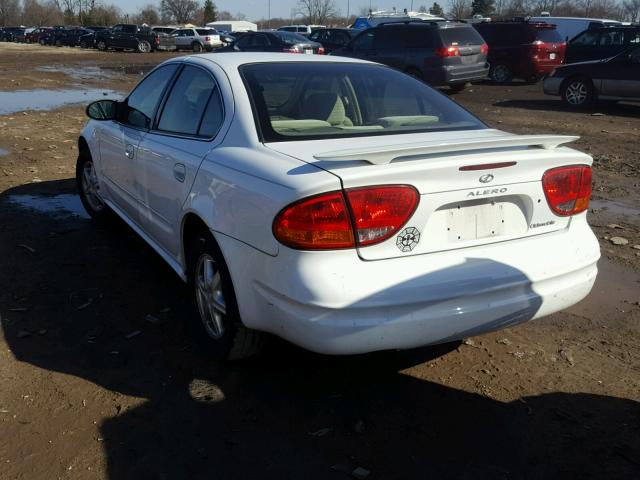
[[9, 12], [631, 10], [182, 11], [148, 14], [316, 12], [460, 8]]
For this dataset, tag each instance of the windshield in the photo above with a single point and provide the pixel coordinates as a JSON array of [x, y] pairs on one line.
[[300, 100]]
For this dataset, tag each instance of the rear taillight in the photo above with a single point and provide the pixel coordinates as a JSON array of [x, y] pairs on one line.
[[321, 51], [207, 39], [484, 49], [328, 221], [292, 50], [567, 189], [452, 51], [157, 40]]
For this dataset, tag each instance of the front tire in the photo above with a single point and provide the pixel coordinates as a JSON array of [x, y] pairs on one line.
[[216, 317], [577, 92], [102, 45], [89, 188], [457, 87]]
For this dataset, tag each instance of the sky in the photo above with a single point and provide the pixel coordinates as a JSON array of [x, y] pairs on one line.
[[257, 9]]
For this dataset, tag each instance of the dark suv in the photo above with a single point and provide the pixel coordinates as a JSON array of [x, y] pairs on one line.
[[521, 49], [440, 53], [599, 43]]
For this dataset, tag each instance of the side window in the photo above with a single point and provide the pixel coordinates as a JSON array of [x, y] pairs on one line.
[[117, 29], [260, 41], [586, 39], [390, 38], [419, 38], [244, 41], [634, 38], [143, 101], [213, 115], [612, 38], [364, 42], [187, 101]]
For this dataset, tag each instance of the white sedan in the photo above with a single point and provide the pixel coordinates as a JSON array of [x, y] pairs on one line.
[[337, 203]]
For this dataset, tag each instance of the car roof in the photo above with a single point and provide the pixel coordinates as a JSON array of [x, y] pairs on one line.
[[233, 60]]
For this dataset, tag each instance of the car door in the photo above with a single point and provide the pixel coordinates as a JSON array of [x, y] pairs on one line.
[[119, 140], [189, 37], [171, 154], [361, 46], [622, 79]]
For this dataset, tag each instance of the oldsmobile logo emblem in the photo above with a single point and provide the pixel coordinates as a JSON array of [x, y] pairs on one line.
[[486, 178]]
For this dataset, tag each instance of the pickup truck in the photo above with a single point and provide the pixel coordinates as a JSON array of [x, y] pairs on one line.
[[128, 37]]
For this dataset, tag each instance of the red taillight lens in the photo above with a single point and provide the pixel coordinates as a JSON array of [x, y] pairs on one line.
[[484, 49], [324, 222], [379, 212], [448, 51], [567, 189], [320, 50], [315, 223], [207, 39]]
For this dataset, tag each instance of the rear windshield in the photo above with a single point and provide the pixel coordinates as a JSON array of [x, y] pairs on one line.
[[300, 100], [460, 36], [290, 38], [206, 31], [548, 35]]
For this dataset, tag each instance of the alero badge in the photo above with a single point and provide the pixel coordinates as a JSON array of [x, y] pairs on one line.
[[408, 239]]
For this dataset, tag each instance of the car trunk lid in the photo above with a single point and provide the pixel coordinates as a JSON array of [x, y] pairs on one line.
[[476, 187]]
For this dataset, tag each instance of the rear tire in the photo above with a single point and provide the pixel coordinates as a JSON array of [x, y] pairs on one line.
[[500, 73], [89, 188], [196, 47], [216, 317], [577, 92], [101, 45], [144, 47], [457, 87]]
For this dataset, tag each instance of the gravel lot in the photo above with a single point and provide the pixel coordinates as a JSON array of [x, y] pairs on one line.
[[100, 377]]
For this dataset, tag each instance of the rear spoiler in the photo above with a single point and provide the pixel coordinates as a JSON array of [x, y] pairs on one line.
[[387, 154]]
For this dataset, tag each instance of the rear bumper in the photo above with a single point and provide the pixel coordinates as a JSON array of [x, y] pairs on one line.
[[551, 85], [448, 75], [335, 303]]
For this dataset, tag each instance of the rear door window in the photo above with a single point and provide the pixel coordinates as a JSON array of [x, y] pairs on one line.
[[390, 38], [187, 101], [615, 37], [586, 39], [460, 36], [364, 42]]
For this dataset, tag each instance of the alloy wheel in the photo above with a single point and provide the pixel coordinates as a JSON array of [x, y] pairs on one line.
[[211, 302], [501, 74], [90, 187], [576, 93]]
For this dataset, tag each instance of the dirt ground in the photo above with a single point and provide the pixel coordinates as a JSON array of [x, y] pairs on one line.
[[100, 377]]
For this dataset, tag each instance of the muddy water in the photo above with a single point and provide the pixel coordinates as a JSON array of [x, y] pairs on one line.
[[3, 152], [66, 205], [44, 99]]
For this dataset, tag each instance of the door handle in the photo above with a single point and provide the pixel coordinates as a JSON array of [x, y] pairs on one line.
[[130, 151], [179, 172]]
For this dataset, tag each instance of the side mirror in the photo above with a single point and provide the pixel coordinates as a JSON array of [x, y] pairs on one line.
[[102, 110]]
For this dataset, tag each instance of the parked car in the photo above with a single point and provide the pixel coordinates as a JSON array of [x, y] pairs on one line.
[[21, 35], [128, 37], [612, 79], [166, 41], [69, 37], [9, 34], [304, 30], [440, 53], [36, 35], [197, 39], [569, 27], [521, 49], [333, 38], [337, 203], [273, 42], [599, 43]]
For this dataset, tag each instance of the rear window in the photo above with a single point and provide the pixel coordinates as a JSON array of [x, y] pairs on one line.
[[290, 38], [304, 100], [548, 35], [460, 36], [206, 31]]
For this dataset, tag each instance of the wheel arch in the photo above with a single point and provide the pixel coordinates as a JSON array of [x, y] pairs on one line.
[[192, 224]]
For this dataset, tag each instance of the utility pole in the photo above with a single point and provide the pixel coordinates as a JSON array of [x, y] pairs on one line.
[[348, 16], [269, 14]]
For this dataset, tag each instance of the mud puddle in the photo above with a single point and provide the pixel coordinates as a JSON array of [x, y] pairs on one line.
[[89, 72], [66, 205], [44, 99], [630, 212], [3, 152]]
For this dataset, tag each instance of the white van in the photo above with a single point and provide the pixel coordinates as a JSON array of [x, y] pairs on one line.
[[569, 27]]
